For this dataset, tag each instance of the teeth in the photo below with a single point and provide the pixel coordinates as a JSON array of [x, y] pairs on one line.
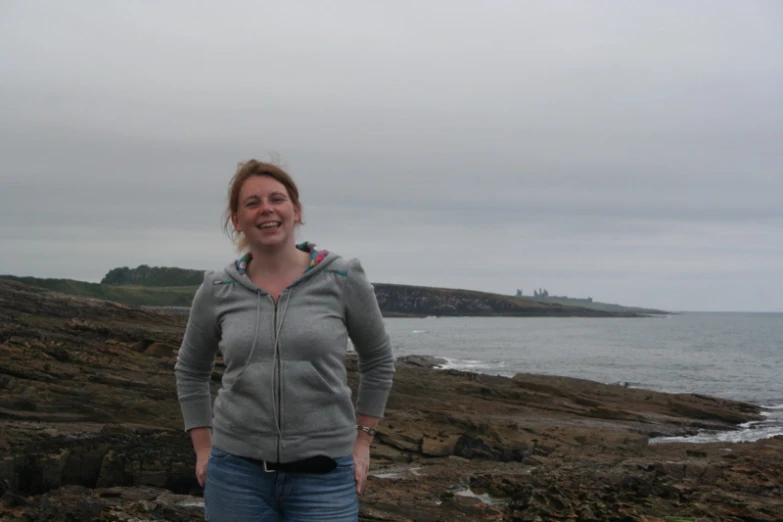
[[268, 225]]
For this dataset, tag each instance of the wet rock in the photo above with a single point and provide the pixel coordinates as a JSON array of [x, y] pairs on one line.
[[420, 361]]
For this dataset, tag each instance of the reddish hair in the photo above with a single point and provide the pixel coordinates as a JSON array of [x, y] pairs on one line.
[[244, 172]]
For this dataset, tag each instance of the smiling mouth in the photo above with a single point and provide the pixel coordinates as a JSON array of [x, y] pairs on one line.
[[271, 224]]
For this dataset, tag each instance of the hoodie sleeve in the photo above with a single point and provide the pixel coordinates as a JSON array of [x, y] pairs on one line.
[[373, 346], [196, 359]]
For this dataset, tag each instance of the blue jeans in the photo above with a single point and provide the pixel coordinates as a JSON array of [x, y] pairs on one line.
[[238, 490]]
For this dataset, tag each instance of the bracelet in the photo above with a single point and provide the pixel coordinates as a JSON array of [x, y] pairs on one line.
[[367, 430]]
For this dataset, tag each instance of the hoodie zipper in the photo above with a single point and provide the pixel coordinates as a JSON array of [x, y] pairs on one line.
[[276, 356], [278, 401]]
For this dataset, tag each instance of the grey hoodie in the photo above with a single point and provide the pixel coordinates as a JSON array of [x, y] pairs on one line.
[[284, 393]]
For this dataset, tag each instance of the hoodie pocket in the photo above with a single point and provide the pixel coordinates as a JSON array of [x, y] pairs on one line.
[[247, 407], [313, 402]]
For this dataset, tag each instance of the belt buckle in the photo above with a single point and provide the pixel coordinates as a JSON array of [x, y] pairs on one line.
[[266, 469]]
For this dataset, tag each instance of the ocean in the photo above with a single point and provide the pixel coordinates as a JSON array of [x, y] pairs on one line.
[[729, 355]]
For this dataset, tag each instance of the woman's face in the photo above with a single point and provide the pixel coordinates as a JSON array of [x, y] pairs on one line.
[[265, 213]]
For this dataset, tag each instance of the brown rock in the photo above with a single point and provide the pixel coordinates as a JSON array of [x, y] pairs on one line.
[[440, 447], [90, 430]]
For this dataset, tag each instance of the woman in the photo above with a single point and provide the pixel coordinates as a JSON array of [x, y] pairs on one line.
[[283, 441]]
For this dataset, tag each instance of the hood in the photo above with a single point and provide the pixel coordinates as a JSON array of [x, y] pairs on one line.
[[320, 258]]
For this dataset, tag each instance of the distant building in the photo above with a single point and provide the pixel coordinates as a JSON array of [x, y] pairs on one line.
[[542, 294]]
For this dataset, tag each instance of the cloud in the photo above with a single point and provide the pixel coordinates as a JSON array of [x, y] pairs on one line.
[[628, 151]]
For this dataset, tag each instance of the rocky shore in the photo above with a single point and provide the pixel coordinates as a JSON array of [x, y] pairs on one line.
[[90, 430]]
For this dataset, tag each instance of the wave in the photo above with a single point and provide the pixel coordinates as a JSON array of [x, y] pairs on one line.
[[771, 426], [473, 365]]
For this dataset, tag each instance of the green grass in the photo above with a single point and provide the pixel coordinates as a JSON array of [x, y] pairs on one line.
[[132, 295]]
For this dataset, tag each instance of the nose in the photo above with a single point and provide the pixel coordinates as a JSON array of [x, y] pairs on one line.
[[264, 207]]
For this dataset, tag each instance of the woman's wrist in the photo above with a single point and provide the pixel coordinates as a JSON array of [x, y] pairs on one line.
[[363, 439], [366, 429], [364, 434]]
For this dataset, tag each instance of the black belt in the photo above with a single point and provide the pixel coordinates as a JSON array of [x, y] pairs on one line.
[[317, 464]]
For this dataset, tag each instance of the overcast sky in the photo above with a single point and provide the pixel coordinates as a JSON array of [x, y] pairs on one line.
[[628, 151]]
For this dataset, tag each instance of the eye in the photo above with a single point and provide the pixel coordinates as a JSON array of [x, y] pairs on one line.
[[251, 203], [277, 199]]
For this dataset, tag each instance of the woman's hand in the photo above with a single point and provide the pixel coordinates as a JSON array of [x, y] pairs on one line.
[[202, 459], [202, 445], [361, 461], [361, 450]]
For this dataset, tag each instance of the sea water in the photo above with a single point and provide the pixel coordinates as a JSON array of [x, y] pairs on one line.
[[729, 355]]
